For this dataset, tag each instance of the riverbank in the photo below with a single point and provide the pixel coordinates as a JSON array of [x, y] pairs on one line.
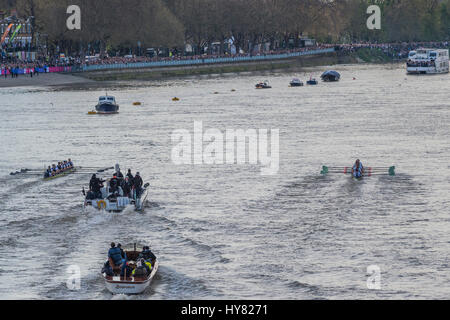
[[101, 77], [44, 80], [291, 64]]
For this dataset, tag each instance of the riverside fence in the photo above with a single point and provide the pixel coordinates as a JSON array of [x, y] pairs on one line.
[[173, 63]]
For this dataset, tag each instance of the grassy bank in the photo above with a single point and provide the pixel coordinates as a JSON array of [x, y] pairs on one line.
[[294, 64]]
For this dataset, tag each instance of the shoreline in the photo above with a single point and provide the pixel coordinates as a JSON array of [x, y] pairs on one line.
[[101, 78]]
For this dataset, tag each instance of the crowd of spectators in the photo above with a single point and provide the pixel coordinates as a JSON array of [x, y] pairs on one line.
[[394, 50]]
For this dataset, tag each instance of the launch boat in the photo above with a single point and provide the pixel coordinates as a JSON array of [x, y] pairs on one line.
[[107, 105], [117, 284]]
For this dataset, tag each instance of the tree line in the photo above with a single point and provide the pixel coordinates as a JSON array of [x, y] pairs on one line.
[[122, 24]]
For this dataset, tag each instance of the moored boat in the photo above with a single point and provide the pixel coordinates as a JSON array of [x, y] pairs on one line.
[[263, 85], [129, 284], [107, 105], [312, 82], [330, 76], [428, 61], [296, 83]]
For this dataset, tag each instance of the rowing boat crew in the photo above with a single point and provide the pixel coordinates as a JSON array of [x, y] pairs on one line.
[[56, 169]]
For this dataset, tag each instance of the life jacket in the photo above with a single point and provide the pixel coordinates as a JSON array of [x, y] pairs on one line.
[[357, 172], [115, 255]]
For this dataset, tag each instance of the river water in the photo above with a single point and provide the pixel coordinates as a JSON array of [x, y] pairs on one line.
[[227, 231]]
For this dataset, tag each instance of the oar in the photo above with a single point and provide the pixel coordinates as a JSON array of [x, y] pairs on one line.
[[368, 170], [106, 169]]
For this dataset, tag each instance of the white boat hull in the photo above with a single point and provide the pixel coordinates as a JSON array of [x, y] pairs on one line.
[[120, 204], [426, 70], [130, 286]]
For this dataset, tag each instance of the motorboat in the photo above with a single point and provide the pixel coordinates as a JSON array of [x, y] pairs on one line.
[[330, 76], [296, 83], [112, 197], [117, 284], [312, 82], [263, 85], [107, 105]]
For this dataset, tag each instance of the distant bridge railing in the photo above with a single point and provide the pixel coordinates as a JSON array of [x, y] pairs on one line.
[[171, 63]]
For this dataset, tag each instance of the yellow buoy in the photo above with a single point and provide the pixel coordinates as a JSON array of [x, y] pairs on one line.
[[92, 112], [137, 103], [175, 99]]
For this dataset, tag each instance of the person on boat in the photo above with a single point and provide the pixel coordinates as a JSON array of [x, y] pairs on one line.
[[122, 252], [70, 163], [126, 270], [147, 254], [118, 173], [107, 269], [95, 186], [142, 270], [130, 177], [54, 170], [358, 169], [137, 184], [115, 255], [126, 187], [48, 173], [114, 184]]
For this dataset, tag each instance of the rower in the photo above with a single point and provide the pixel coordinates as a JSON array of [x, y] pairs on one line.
[[70, 163], [358, 169], [48, 173]]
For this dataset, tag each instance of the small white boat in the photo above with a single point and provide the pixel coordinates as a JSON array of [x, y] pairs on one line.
[[120, 203], [112, 197], [263, 85], [130, 285]]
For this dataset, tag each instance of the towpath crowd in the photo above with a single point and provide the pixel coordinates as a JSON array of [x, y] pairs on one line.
[[16, 67]]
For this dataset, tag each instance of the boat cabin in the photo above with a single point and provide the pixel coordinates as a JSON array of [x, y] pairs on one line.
[[107, 99]]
